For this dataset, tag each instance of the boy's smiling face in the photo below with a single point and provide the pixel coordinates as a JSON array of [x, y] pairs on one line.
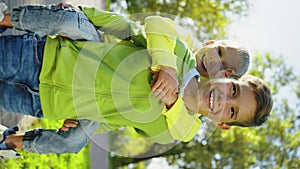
[[215, 56], [227, 100]]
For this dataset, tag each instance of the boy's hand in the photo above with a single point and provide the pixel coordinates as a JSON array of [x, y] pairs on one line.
[[67, 5], [164, 85], [69, 123]]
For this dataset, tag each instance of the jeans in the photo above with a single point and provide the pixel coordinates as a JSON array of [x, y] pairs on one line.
[[52, 20], [20, 65]]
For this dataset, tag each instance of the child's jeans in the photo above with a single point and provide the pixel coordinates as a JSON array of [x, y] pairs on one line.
[[20, 65], [52, 20]]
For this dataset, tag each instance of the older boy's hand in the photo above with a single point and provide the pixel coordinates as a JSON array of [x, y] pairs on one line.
[[165, 85], [67, 5], [69, 123]]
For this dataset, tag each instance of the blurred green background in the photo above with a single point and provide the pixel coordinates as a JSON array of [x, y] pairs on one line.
[[274, 145]]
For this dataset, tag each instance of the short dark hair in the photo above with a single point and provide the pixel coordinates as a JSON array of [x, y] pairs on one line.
[[242, 52], [263, 98], [244, 61]]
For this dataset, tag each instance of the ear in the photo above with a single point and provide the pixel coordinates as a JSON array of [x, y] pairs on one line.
[[223, 126], [210, 42], [225, 73]]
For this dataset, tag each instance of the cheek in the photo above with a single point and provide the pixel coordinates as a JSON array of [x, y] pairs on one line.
[[224, 113], [220, 116], [214, 68], [232, 62]]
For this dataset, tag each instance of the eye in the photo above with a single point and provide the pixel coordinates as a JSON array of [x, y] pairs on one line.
[[233, 92], [231, 112], [219, 51]]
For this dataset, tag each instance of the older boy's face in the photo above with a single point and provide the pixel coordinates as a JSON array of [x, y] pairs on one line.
[[216, 56], [227, 100]]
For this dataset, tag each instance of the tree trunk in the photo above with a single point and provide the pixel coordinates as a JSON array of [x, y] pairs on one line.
[[124, 161]]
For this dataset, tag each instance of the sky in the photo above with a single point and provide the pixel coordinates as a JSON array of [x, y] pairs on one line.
[[271, 26]]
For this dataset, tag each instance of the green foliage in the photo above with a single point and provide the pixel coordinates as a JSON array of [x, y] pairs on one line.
[[273, 69], [275, 144], [48, 161], [206, 18]]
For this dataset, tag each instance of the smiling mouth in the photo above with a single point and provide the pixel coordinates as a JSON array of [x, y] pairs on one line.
[[203, 62], [211, 101]]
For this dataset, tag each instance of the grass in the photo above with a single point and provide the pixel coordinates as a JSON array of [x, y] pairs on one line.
[[49, 161]]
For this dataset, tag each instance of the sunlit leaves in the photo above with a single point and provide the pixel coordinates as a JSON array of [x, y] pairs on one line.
[[209, 17], [275, 144]]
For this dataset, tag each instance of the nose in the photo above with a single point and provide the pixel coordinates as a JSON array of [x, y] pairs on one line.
[[210, 57], [223, 100]]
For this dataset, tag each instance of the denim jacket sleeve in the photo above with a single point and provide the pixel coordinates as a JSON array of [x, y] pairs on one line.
[[112, 23]]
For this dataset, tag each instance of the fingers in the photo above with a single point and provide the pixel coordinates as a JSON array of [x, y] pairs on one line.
[[66, 5], [59, 4], [154, 77], [69, 123], [164, 85], [159, 93], [164, 90], [62, 35], [157, 85]]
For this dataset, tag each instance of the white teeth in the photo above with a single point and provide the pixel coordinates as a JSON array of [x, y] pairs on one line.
[[211, 100]]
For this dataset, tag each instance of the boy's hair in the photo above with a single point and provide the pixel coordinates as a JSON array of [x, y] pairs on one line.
[[263, 98], [242, 52], [244, 61]]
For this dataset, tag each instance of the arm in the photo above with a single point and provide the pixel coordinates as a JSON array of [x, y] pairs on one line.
[[182, 125], [161, 35], [112, 23]]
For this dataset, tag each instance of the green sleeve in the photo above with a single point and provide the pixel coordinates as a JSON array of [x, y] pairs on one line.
[[182, 125], [114, 24], [162, 34], [161, 40]]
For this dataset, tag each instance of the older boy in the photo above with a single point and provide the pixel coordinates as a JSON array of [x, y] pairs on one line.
[[58, 78]]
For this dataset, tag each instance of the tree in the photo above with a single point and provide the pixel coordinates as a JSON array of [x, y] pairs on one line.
[[206, 18]]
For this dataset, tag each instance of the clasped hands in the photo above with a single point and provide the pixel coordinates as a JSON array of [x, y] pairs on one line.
[[164, 85]]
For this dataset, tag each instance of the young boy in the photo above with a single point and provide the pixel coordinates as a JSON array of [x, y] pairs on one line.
[[101, 83]]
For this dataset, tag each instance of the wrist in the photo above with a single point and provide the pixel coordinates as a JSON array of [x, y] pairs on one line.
[[170, 104], [168, 70]]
